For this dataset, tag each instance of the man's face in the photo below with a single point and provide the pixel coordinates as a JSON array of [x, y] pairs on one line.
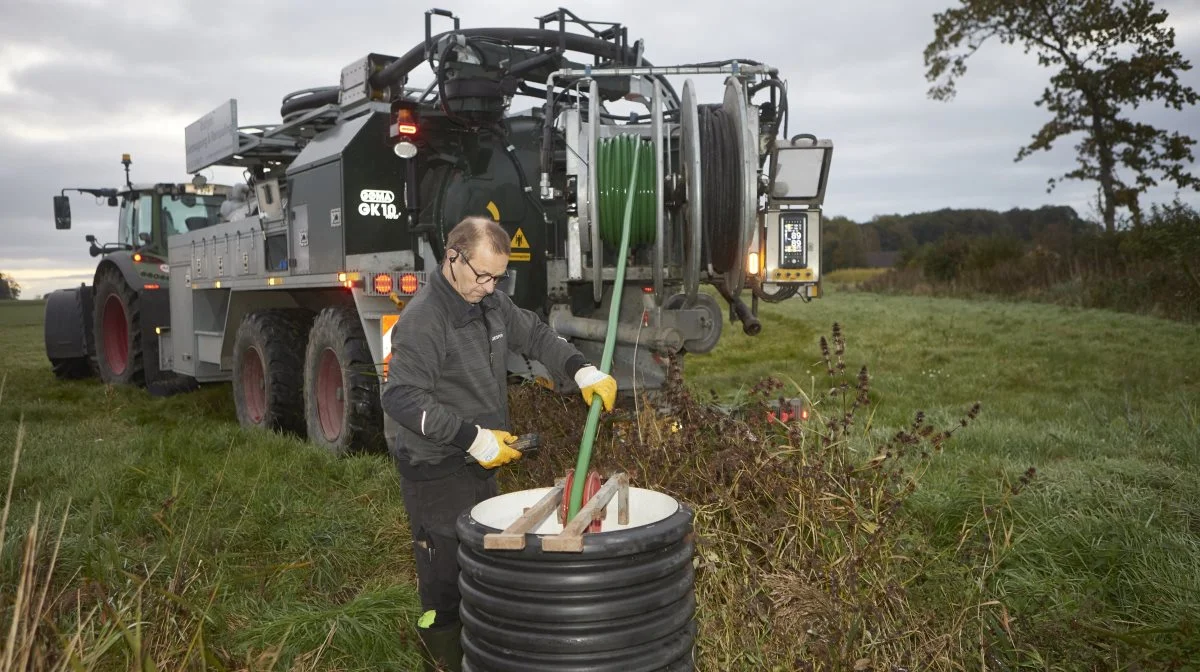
[[474, 274]]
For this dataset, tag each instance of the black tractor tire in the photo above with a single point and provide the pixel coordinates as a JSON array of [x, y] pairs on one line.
[[68, 332], [268, 369], [74, 368], [170, 385], [117, 329], [341, 400]]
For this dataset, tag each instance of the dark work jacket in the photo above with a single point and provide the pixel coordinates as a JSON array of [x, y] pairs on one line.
[[448, 372]]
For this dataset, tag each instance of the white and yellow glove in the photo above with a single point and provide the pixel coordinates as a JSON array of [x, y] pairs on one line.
[[492, 448], [593, 381]]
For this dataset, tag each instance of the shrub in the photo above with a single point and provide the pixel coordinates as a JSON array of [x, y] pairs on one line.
[[1152, 269], [804, 559]]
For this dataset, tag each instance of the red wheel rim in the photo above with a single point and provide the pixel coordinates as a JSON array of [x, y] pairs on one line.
[[254, 388], [116, 335], [591, 486], [331, 403]]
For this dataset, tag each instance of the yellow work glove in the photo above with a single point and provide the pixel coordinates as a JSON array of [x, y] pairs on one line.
[[594, 381], [491, 447]]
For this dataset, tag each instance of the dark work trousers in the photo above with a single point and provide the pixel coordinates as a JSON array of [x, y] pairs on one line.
[[433, 507]]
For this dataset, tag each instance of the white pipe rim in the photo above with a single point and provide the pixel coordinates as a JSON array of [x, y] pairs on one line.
[[645, 507]]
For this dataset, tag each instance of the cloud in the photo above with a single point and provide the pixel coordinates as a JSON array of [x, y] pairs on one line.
[[83, 81], [38, 278]]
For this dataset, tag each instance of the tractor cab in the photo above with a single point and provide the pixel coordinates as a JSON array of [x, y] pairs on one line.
[[148, 213]]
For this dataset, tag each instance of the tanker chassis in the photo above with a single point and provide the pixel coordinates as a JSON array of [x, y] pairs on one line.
[[347, 201]]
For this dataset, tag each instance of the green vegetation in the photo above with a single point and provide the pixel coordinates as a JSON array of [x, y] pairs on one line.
[[9, 288], [1096, 564], [185, 538], [1152, 269], [168, 535], [849, 244]]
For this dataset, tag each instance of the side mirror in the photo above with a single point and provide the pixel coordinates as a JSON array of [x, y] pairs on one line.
[[62, 212]]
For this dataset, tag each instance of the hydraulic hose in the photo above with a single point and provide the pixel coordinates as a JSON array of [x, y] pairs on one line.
[[309, 99], [722, 187], [610, 342], [525, 37]]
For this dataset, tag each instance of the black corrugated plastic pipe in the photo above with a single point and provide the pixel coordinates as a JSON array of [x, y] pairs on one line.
[[625, 604]]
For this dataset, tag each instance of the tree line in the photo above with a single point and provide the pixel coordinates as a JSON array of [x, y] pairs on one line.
[[9, 288], [889, 240], [1046, 254]]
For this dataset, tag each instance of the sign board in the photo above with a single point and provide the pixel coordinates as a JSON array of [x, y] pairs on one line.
[[212, 138]]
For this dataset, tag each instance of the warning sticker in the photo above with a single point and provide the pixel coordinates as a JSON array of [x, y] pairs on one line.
[[493, 210], [519, 241]]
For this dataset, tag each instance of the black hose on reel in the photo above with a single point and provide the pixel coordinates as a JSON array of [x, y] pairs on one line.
[[721, 175]]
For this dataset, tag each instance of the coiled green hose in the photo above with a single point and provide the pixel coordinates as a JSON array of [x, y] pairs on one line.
[[615, 163]]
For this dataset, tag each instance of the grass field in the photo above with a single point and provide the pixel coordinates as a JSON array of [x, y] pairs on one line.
[[187, 539]]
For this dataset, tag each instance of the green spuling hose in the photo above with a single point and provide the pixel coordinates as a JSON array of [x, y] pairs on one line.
[[610, 339], [615, 163]]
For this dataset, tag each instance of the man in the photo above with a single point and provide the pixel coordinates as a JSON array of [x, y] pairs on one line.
[[447, 389]]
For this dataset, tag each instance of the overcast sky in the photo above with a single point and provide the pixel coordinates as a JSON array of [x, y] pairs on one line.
[[82, 81]]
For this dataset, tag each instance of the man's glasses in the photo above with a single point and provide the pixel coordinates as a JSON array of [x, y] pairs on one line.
[[482, 278]]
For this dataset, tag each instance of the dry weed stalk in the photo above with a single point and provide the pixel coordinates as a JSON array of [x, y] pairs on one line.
[[131, 623], [802, 561]]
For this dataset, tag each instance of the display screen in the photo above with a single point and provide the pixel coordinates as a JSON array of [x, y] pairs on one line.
[[791, 240]]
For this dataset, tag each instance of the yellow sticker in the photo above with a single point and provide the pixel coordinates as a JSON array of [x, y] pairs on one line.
[[519, 241], [519, 256], [493, 210]]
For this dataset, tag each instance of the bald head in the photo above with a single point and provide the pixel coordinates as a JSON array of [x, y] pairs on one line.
[[475, 234]]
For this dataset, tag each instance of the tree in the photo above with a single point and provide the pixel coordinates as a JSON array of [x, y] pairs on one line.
[[9, 289], [1110, 55]]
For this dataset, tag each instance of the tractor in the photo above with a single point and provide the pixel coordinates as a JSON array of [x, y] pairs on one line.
[[107, 329]]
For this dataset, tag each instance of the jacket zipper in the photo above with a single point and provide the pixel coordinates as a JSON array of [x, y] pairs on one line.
[[487, 336]]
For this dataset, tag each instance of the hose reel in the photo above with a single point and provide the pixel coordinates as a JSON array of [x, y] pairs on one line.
[[714, 195], [719, 163]]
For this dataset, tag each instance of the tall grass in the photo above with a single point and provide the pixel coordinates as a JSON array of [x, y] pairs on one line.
[[164, 536], [151, 533]]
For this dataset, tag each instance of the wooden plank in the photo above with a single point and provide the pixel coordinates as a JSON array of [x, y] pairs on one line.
[[513, 537], [570, 540], [623, 499]]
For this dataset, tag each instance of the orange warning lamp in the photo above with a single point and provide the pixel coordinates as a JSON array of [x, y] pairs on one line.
[[383, 284]]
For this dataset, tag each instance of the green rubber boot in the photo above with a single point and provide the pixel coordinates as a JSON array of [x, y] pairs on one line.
[[443, 649]]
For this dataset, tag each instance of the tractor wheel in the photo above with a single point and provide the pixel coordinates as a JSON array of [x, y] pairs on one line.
[[341, 400], [268, 369], [118, 330]]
